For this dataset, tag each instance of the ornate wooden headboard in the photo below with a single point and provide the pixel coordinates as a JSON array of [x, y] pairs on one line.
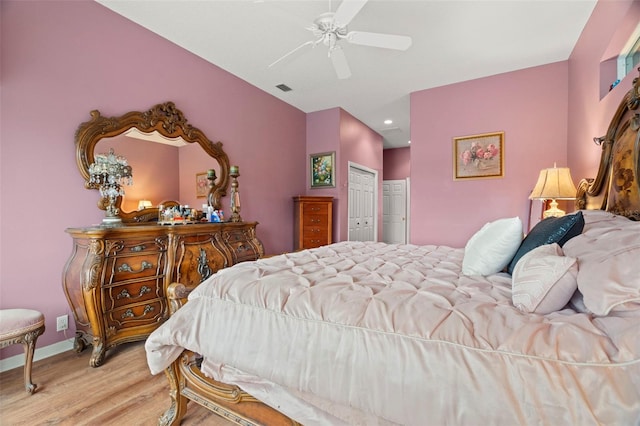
[[616, 187]]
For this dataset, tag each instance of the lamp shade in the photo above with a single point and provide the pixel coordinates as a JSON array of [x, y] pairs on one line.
[[554, 184], [144, 204]]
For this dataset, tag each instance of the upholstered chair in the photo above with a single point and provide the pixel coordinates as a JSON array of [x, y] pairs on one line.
[[22, 326]]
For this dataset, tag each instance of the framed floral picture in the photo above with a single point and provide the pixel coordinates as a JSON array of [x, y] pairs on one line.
[[478, 156], [323, 172], [202, 185]]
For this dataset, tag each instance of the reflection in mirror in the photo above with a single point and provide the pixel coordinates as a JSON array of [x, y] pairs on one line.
[[166, 155]]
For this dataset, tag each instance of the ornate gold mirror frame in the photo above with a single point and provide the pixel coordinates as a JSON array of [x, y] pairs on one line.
[[167, 120]]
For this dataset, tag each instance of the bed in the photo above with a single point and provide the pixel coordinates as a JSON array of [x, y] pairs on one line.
[[543, 329]]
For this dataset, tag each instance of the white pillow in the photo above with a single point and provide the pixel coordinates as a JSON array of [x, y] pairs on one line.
[[490, 249], [544, 280]]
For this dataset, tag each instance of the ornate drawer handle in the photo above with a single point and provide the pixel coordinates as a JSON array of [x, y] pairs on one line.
[[242, 247], [315, 209], [315, 220], [129, 313], [125, 293], [139, 248], [126, 268]]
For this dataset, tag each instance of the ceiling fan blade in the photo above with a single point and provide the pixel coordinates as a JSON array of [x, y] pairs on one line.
[[347, 10], [387, 41], [340, 64], [292, 52]]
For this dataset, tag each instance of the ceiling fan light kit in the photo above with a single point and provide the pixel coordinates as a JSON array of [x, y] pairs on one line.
[[329, 28]]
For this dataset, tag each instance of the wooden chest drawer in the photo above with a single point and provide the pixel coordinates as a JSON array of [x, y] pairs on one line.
[[238, 243], [149, 312], [313, 242], [311, 208], [314, 232], [134, 292], [134, 259], [313, 221], [135, 246], [124, 268]]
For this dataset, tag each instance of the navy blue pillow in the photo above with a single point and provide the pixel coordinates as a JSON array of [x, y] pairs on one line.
[[548, 231]]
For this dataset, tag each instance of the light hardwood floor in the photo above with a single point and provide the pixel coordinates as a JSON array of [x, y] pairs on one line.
[[120, 392]]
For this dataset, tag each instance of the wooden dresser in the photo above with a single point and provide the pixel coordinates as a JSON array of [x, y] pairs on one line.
[[116, 277], [313, 221]]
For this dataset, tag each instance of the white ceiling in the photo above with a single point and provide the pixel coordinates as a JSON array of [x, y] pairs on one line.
[[453, 41]]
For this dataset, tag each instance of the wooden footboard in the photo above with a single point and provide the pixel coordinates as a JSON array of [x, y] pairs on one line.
[[187, 383]]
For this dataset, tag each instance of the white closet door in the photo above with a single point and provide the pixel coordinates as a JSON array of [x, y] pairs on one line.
[[362, 203], [394, 211]]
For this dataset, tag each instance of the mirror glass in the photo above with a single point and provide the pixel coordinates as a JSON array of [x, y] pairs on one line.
[[169, 159], [163, 169]]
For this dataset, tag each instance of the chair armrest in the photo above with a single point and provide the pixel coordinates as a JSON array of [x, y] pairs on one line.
[[177, 295]]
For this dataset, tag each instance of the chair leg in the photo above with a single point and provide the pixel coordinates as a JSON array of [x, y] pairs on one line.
[[29, 343]]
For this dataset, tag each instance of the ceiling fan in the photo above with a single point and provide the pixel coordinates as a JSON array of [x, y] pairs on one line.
[[329, 28]]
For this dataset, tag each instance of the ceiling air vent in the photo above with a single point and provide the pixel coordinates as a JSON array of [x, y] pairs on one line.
[[284, 87]]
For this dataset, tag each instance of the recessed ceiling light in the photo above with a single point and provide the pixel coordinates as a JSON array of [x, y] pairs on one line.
[[387, 121], [409, 142]]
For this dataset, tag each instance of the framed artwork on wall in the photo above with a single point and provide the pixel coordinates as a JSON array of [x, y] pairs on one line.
[[322, 168], [202, 185], [478, 156]]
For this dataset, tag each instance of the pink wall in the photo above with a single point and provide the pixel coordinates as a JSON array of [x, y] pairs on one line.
[[529, 106], [610, 26], [396, 163], [361, 145], [62, 59], [337, 130], [323, 135]]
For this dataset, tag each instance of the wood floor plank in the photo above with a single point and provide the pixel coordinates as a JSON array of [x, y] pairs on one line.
[[120, 392]]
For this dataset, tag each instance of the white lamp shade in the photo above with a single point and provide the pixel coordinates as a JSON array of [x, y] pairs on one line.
[[144, 204], [554, 184]]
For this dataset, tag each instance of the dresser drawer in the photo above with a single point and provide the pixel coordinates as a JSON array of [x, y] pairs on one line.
[[240, 247], [315, 209], [135, 292], [315, 220], [124, 268], [135, 246], [313, 242], [135, 315], [315, 232]]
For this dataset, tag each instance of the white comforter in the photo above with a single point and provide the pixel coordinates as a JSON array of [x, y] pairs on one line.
[[398, 332]]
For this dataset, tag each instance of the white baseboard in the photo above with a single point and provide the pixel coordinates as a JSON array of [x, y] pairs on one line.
[[40, 353]]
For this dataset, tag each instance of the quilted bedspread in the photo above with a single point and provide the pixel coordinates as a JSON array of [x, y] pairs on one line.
[[398, 332]]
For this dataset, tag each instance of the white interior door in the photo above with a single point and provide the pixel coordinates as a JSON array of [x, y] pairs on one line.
[[362, 203], [394, 211]]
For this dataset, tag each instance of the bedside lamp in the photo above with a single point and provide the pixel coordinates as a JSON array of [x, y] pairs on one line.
[[554, 184]]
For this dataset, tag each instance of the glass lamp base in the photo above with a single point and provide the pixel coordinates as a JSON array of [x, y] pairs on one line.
[[553, 210]]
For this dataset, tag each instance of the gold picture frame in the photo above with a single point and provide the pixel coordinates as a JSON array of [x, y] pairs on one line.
[[478, 156], [323, 170], [202, 185]]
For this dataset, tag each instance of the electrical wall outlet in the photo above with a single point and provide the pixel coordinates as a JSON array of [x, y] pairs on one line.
[[62, 323]]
